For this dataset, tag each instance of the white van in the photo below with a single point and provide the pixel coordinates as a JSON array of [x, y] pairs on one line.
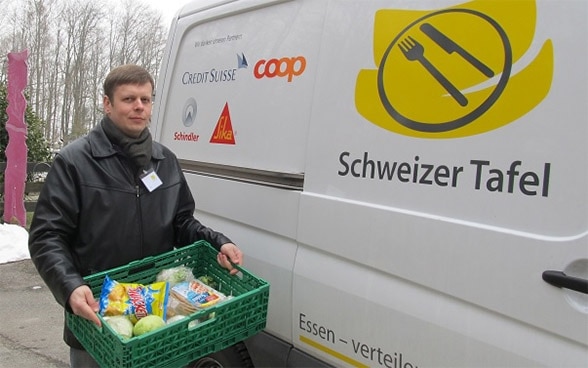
[[411, 177]]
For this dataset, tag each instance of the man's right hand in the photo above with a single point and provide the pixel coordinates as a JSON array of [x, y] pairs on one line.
[[83, 304]]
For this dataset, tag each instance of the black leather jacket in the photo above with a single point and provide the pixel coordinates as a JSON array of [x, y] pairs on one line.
[[93, 215]]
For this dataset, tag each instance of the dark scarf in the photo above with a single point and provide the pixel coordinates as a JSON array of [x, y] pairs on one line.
[[138, 150]]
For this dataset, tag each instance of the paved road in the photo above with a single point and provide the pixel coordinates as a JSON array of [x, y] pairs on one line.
[[31, 321]]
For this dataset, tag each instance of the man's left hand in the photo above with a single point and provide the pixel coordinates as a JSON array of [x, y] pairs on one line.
[[230, 254]]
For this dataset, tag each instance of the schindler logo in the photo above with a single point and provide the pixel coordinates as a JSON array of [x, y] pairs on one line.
[[449, 73]]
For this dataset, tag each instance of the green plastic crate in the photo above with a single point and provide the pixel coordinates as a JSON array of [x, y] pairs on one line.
[[180, 342]]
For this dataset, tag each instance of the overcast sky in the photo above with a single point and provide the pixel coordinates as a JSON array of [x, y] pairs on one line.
[[167, 7]]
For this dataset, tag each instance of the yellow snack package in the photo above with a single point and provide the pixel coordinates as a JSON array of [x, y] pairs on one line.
[[133, 300]]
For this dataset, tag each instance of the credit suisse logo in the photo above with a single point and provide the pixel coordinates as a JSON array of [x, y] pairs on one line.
[[285, 67]]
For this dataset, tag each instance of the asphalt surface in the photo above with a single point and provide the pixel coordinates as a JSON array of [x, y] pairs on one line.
[[31, 321]]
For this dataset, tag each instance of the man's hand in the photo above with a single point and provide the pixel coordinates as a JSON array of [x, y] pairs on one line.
[[229, 252], [83, 304]]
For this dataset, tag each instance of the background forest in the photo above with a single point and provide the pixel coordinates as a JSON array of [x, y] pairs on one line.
[[72, 45]]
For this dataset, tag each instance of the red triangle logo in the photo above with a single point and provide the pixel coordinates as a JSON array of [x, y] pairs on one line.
[[223, 133]]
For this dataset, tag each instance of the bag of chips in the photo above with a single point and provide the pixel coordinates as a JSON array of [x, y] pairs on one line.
[[133, 300]]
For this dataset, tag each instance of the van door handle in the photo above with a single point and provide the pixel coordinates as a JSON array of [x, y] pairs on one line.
[[560, 279]]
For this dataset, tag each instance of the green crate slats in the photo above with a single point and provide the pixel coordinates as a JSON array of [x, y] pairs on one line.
[[229, 322]]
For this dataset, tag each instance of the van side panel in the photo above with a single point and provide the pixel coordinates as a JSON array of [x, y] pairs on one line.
[[401, 172], [263, 222], [443, 219], [236, 91], [234, 105], [452, 290]]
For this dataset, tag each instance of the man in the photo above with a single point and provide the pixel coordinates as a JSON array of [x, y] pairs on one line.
[[112, 197]]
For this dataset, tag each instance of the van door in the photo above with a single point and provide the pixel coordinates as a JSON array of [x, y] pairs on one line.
[[447, 171]]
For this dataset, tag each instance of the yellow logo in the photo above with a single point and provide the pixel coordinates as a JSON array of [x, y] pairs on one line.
[[454, 72]]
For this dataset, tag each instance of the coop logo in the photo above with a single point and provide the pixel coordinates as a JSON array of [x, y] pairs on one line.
[[286, 67], [448, 73]]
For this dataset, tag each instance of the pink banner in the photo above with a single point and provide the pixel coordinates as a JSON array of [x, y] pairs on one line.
[[16, 150]]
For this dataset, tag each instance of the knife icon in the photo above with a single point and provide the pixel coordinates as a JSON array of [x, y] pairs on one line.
[[450, 47]]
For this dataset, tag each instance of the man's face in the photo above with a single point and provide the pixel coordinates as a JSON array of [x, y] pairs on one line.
[[131, 107]]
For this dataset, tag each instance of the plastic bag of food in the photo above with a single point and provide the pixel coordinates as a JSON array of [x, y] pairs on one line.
[[175, 275], [133, 300], [190, 296]]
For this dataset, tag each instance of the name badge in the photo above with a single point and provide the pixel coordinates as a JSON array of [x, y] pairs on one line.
[[151, 180]]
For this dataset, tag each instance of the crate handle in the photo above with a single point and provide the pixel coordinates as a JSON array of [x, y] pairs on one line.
[[239, 274], [209, 320]]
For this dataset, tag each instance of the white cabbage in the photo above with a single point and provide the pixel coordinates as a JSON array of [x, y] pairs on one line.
[[122, 325]]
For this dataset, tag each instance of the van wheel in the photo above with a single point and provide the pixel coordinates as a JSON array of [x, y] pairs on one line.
[[233, 356]]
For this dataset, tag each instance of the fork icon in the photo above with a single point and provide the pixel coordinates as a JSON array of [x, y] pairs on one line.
[[413, 50]]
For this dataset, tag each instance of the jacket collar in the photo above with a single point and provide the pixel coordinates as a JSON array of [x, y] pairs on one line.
[[101, 147]]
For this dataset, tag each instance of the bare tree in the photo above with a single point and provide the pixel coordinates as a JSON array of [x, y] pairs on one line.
[[81, 21], [38, 14], [72, 45], [140, 36], [52, 82]]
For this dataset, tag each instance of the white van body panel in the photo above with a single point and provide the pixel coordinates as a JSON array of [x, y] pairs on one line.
[[400, 223], [274, 233]]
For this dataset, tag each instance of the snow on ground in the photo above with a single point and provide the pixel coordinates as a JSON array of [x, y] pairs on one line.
[[13, 243]]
